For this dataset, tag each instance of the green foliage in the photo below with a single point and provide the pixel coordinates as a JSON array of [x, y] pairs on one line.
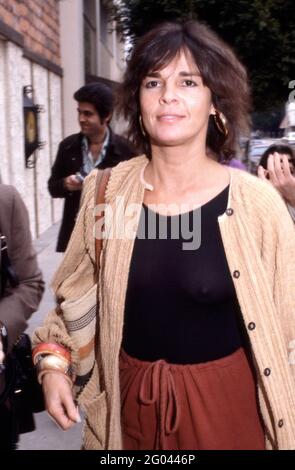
[[262, 32], [136, 17]]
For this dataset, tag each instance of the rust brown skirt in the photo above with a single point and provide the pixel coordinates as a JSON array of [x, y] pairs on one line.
[[209, 406]]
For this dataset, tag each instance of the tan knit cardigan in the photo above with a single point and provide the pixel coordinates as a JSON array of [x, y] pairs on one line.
[[259, 242]]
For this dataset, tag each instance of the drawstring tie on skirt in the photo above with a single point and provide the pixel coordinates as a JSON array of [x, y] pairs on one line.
[[164, 395]]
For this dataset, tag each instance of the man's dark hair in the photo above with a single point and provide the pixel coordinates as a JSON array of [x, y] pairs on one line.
[[99, 95], [220, 69], [279, 149]]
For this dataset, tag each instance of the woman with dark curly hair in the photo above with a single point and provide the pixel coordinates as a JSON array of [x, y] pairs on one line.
[[196, 305], [277, 165]]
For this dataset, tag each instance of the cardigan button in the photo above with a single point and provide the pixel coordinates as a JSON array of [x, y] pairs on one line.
[[281, 423], [229, 211], [236, 274], [251, 326], [267, 372]]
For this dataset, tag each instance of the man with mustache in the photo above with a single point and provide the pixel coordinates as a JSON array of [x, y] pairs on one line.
[[96, 146]]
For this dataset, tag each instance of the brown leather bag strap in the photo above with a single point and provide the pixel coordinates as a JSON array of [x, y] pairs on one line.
[[101, 184]]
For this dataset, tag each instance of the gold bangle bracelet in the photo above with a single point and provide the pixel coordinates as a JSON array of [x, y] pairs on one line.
[[51, 348], [50, 361], [42, 354]]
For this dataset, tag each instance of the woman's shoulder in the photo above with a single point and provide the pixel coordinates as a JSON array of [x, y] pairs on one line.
[[256, 194], [122, 173], [127, 166], [252, 186], [119, 175]]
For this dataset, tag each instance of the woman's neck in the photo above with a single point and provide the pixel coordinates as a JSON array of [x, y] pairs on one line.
[[178, 169]]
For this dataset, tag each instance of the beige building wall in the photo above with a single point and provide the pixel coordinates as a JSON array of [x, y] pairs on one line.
[[30, 56], [16, 72], [103, 48], [72, 59]]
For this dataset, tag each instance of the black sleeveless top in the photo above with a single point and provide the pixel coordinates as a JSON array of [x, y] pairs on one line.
[[181, 304]]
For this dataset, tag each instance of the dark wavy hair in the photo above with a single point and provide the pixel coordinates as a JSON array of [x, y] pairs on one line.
[[99, 95], [220, 70]]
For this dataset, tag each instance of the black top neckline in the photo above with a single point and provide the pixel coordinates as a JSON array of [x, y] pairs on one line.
[[213, 200]]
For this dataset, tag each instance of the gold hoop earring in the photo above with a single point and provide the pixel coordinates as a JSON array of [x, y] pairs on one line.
[[141, 126], [221, 123]]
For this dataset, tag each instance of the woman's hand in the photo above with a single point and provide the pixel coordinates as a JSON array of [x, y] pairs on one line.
[[279, 174], [59, 400], [2, 355], [262, 173]]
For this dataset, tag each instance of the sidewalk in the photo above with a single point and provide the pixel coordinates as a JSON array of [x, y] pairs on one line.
[[47, 435]]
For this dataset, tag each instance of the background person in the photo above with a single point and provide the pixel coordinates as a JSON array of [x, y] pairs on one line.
[[16, 303], [96, 146], [277, 165], [193, 344]]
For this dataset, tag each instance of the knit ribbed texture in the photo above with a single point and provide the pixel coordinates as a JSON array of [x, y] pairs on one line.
[[75, 275], [261, 245], [259, 242]]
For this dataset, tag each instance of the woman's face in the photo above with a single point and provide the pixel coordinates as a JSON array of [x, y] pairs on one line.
[[175, 105]]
